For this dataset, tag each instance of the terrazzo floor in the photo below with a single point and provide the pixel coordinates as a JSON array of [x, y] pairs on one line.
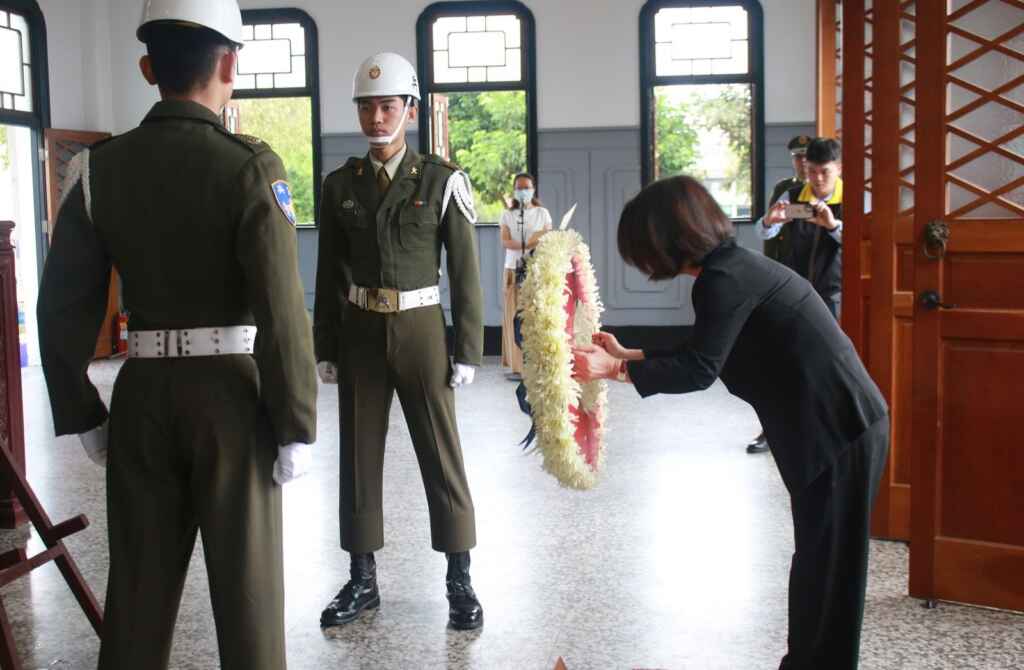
[[677, 560]]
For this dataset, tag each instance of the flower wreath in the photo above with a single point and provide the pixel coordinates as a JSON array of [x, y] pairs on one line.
[[561, 307]]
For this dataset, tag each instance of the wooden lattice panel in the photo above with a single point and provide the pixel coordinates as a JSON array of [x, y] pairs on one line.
[[839, 70], [908, 105], [869, 90], [984, 81]]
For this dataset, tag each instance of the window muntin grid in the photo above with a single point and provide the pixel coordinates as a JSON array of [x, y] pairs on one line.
[[701, 41], [15, 63], [274, 57], [477, 49]]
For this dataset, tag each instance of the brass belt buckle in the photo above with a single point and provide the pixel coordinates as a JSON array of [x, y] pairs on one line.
[[382, 300]]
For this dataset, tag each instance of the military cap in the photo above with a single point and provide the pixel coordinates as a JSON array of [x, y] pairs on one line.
[[799, 144]]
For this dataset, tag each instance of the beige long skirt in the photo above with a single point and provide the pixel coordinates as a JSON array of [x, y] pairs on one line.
[[511, 354]]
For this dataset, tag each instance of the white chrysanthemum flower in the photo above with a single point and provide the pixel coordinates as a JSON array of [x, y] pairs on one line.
[[547, 369]]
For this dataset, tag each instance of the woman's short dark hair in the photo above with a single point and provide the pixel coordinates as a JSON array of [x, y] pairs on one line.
[[536, 200], [823, 150], [672, 223], [184, 57]]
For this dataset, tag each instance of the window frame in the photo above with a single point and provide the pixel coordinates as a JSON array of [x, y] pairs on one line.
[[649, 80], [310, 90], [39, 119], [425, 65]]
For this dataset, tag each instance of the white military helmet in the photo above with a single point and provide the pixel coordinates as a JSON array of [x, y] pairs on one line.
[[221, 16], [384, 75]]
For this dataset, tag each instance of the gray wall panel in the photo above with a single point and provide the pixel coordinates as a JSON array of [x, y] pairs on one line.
[[598, 168]]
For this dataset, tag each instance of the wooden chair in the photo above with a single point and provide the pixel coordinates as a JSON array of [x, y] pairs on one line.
[[21, 500]]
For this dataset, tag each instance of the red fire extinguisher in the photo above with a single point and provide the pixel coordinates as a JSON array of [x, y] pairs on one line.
[[121, 332]]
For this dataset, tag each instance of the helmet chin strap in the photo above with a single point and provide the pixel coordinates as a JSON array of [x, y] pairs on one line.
[[384, 141]]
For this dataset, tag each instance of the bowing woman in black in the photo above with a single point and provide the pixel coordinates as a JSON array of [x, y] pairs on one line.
[[774, 343]]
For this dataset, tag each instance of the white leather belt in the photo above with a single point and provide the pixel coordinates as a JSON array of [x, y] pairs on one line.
[[387, 300], [191, 342]]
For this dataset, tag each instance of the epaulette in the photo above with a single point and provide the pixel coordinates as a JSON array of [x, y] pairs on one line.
[[253, 144], [353, 163], [437, 160]]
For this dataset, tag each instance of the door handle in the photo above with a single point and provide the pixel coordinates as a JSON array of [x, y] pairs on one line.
[[932, 300]]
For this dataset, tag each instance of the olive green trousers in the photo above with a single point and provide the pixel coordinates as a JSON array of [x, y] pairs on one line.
[[191, 450], [379, 355]]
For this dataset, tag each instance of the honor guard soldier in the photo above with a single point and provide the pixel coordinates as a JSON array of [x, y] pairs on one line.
[[379, 328], [220, 379], [777, 248]]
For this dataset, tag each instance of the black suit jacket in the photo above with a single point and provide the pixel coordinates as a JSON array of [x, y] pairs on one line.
[[767, 333]]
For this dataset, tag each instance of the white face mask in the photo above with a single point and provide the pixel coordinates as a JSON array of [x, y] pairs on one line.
[[384, 141], [524, 195]]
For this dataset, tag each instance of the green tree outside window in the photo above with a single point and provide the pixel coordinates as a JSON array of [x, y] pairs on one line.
[[286, 124], [487, 138]]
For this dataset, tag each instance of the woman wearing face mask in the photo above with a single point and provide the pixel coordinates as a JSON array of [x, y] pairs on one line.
[[522, 226]]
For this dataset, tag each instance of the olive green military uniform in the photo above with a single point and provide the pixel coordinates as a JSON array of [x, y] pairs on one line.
[[777, 248], [186, 213], [393, 241]]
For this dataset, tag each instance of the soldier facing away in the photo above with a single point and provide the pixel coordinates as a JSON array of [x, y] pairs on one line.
[[379, 328], [220, 379]]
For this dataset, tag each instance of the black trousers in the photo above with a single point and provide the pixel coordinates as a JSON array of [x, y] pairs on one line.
[[828, 576]]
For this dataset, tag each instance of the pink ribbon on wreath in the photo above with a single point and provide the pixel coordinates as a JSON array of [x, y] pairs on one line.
[[587, 423]]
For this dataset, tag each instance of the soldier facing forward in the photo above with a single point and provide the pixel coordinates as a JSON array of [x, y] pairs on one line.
[[199, 225], [379, 328]]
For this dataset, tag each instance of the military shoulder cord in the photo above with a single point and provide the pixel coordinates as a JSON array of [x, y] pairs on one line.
[[461, 189]]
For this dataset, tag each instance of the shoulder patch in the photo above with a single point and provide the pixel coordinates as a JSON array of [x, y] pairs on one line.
[[283, 196]]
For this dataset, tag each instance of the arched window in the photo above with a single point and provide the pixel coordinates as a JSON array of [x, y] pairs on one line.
[[24, 96], [24, 114], [277, 97], [702, 97], [477, 68]]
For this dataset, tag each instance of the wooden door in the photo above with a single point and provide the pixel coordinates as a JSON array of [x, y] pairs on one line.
[[829, 66], [61, 147], [967, 511], [888, 31]]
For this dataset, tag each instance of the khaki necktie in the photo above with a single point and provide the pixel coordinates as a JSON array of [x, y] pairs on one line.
[[383, 180]]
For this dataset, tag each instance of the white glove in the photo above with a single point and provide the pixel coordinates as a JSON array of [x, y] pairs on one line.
[[293, 461], [95, 444], [462, 375], [328, 372]]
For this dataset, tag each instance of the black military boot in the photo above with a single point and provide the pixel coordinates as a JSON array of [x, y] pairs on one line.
[[759, 445], [359, 594], [464, 610]]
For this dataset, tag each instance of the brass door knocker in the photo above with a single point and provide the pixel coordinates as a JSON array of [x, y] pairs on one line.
[[936, 237]]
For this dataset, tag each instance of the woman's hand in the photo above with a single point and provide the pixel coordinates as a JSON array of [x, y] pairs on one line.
[[591, 362], [610, 343]]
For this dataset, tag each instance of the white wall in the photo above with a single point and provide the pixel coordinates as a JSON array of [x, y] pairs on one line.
[[78, 45], [790, 29], [587, 51]]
